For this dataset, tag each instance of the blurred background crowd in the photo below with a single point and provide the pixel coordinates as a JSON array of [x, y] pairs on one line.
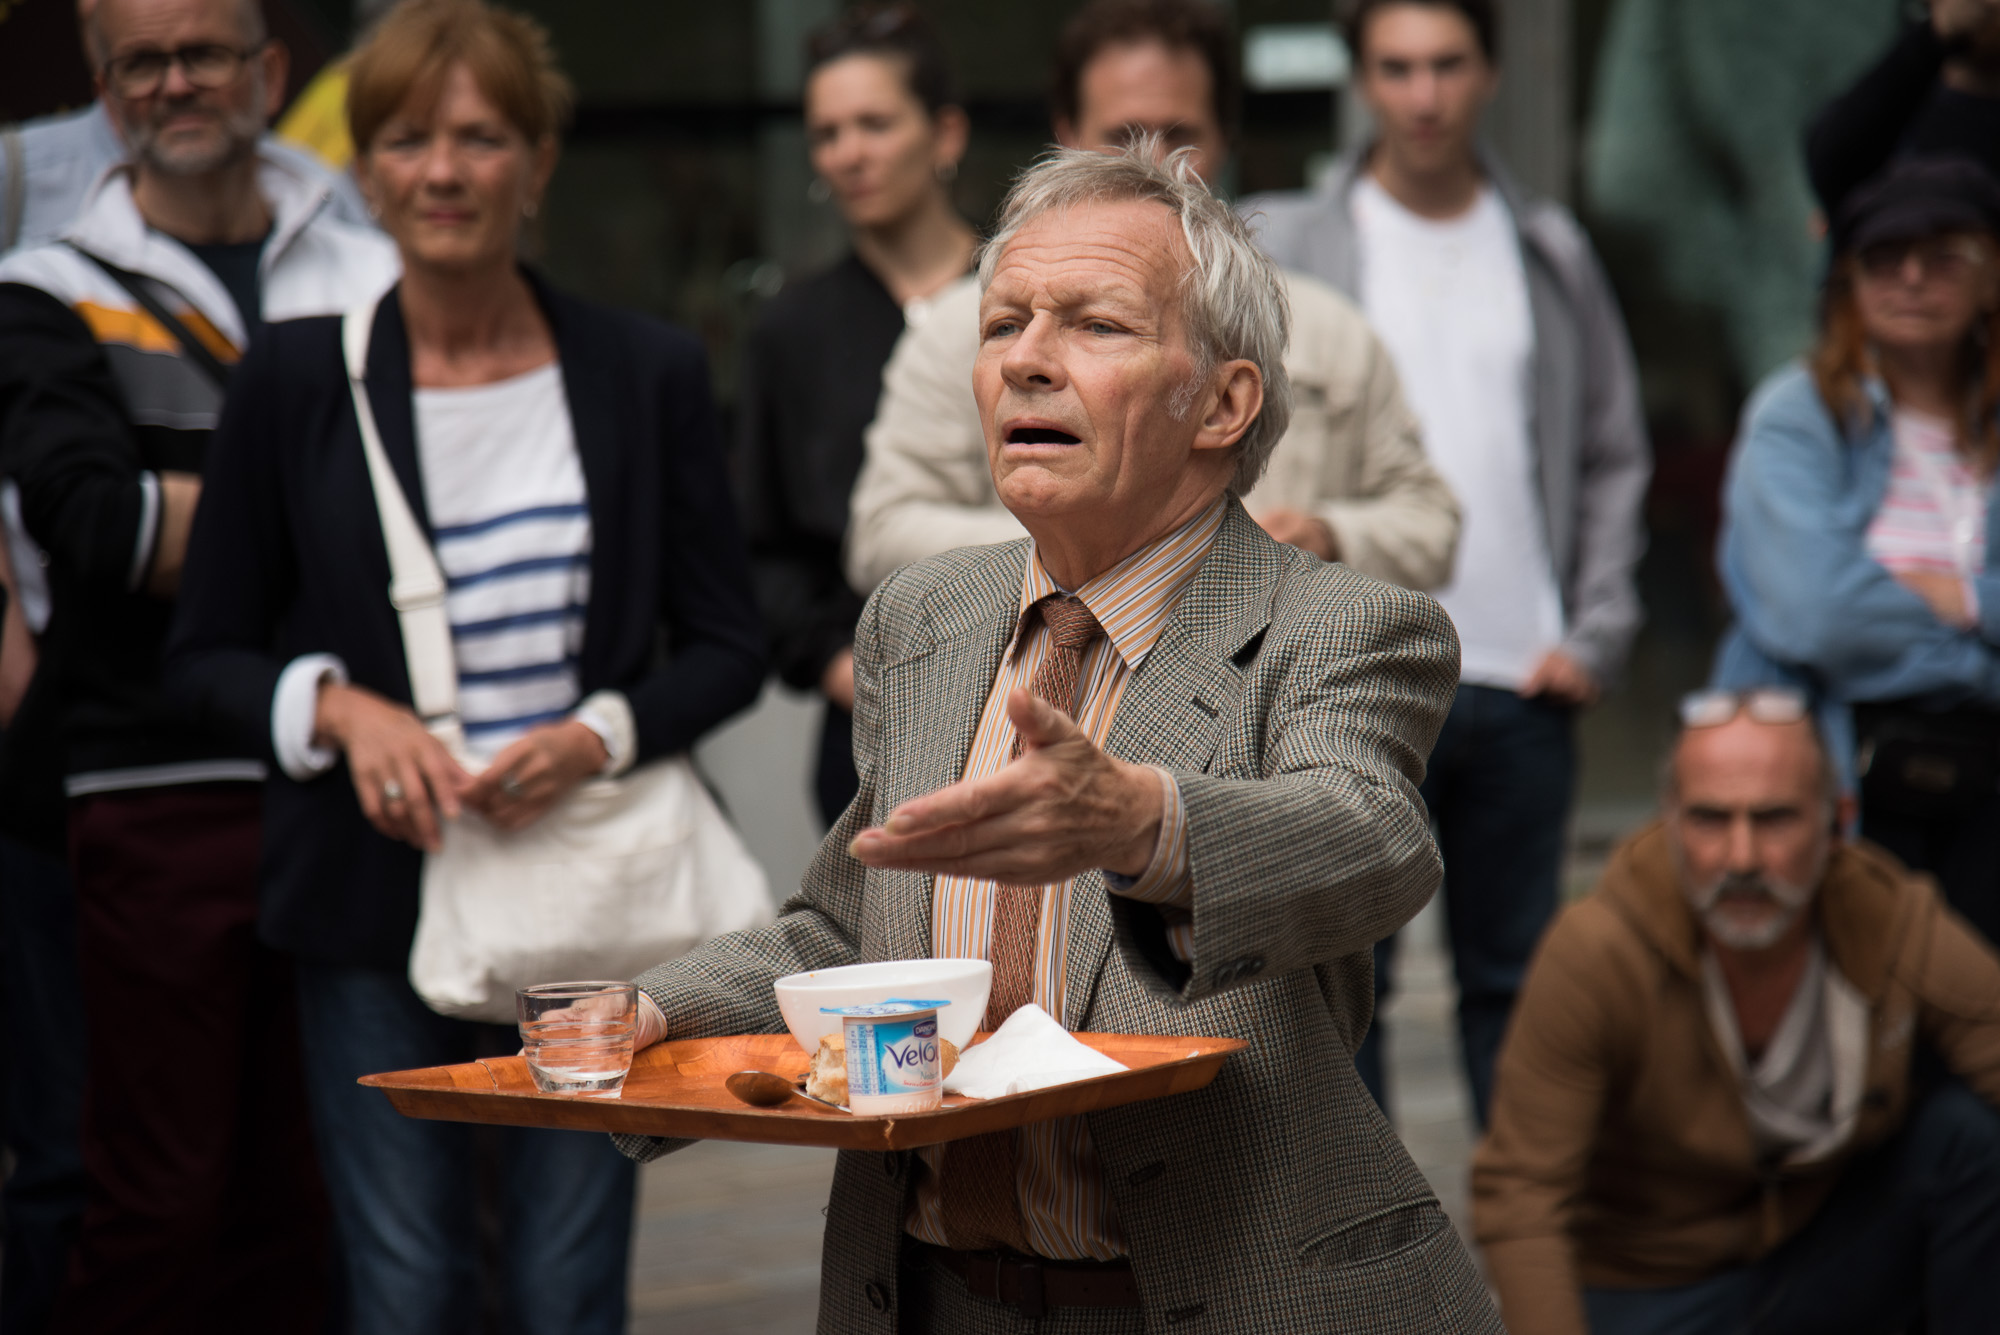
[[1632, 271]]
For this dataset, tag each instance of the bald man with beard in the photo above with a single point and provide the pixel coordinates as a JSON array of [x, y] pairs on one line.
[[1705, 1115]]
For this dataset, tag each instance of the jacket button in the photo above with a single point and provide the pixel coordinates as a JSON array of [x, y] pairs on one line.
[[1253, 965], [877, 1296]]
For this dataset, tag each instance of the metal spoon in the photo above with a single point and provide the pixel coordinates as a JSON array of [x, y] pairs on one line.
[[765, 1089]]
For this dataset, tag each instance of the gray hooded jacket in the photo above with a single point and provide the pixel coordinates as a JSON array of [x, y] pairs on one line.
[[1589, 434]]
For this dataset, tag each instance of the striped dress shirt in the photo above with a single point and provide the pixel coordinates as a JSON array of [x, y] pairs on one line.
[[1063, 1201]]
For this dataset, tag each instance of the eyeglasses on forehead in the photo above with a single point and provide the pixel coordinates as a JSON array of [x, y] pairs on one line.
[[1764, 704]]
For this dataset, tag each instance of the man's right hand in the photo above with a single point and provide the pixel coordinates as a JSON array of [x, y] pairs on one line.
[[407, 783]]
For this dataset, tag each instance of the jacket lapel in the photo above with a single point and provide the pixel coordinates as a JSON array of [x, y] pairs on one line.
[[390, 397], [969, 621], [1172, 710], [592, 395]]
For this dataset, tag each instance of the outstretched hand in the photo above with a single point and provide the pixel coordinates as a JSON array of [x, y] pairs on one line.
[[1062, 807]]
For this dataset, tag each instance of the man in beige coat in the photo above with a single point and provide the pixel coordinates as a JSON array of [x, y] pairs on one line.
[[1705, 1116], [1348, 482]]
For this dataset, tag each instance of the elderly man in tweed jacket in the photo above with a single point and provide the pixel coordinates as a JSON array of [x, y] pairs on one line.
[[1163, 772]]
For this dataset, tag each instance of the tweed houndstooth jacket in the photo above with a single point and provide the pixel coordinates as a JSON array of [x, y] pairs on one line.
[[1296, 703]]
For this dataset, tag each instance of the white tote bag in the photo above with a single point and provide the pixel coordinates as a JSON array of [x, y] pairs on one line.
[[618, 876]]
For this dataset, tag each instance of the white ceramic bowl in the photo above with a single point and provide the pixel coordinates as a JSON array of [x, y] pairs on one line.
[[964, 983]]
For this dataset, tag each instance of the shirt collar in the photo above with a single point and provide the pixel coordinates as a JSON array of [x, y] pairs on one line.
[[1134, 598]]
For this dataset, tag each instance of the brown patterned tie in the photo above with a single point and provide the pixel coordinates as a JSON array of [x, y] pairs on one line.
[[980, 1203]]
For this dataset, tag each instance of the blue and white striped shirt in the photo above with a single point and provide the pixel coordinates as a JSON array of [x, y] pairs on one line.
[[505, 489]]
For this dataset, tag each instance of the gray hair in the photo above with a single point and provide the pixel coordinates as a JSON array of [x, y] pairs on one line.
[[1232, 298]]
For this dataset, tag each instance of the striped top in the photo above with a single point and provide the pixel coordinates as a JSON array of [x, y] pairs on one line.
[[511, 528], [1933, 514], [1064, 1204]]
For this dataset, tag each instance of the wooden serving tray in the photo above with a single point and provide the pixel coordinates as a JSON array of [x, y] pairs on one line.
[[675, 1089]]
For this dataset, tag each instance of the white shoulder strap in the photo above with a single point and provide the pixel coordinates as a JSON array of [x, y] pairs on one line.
[[416, 585]]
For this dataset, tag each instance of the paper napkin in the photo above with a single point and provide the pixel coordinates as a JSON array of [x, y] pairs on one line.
[[1029, 1051]]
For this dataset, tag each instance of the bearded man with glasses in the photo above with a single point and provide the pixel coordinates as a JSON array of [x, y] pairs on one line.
[[116, 344], [48, 164], [1705, 1116]]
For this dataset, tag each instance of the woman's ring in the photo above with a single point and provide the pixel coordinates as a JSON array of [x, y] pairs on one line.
[[511, 786], [392, 792]]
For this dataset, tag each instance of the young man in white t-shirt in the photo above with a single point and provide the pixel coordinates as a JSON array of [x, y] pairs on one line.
[[1516, 362]]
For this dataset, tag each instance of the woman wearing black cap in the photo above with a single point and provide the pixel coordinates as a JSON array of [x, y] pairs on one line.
[[1857, 515]]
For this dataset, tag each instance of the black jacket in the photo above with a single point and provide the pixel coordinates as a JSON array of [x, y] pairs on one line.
[[811, 376], [287, 558], [77, 431]]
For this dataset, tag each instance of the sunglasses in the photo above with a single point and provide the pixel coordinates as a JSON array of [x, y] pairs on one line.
[[1764, 704], [1946, 257]]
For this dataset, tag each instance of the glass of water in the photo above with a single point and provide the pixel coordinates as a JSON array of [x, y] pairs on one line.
[[577, 1037]]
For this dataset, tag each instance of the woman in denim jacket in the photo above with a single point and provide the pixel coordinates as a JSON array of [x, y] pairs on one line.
[[1857, 510]]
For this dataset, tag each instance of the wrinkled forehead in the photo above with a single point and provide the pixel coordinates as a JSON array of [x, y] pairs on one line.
[[1131, 252]]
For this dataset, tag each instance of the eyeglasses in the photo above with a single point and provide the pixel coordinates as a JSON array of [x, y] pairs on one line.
[[1949, 258], [1764, 704], [207, 65]]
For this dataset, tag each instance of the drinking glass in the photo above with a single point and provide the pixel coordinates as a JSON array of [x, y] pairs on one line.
[[577, 1037]]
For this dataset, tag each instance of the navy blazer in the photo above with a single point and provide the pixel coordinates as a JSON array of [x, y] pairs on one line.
[[287, 558]]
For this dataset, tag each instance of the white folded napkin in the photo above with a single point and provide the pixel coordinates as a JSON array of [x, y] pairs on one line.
[[1029, 1051]]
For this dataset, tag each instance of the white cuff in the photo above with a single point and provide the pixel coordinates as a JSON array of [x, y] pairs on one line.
[[149, 529], [651, 1025], [295, 713], [609, 715]]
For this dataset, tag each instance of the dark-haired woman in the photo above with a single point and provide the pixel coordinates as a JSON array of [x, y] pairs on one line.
[[1857, 539], [885, 136], [565, 463]]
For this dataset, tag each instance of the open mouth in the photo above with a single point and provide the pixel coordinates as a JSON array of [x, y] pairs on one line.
[[1039, 435]]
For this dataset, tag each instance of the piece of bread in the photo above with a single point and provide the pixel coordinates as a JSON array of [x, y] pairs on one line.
[[828, 1077]]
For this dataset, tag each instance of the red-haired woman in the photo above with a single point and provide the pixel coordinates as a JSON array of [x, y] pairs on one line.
[[1859, 512]]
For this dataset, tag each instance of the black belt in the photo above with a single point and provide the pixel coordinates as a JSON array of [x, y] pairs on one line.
[[1034, 1284]]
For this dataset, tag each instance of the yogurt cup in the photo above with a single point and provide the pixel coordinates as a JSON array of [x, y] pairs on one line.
[[894, 1063]]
